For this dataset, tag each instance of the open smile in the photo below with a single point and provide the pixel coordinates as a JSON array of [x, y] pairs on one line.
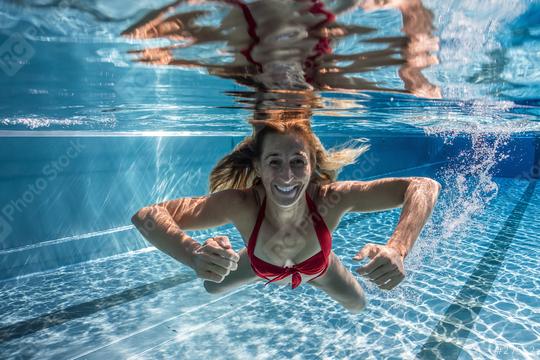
[[288, 191]]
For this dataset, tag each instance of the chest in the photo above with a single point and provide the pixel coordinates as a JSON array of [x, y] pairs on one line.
[[285, 246], [288, 245]]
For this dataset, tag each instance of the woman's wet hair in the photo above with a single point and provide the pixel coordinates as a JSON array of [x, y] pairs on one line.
[[236, 170]]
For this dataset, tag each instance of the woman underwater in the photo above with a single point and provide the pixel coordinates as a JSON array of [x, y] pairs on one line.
[[279, 188]]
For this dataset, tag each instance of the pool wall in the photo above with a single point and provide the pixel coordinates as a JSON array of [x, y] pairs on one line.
[[67, 200]]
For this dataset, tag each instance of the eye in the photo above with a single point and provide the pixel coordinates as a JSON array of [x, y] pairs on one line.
[[274, 162], [298, 162]]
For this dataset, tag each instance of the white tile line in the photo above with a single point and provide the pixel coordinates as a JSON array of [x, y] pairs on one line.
[[67, 133], [66, 239], [92, 261], [406, 169]]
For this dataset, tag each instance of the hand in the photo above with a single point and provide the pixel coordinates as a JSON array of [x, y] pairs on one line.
[[215, 259], [385, 268]]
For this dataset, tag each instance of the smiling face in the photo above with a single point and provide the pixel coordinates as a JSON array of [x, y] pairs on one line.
[[284, 167]]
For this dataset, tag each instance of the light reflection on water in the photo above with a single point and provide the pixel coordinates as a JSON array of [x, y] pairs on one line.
[[366, 64]]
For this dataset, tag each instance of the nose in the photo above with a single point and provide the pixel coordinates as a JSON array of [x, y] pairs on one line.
[[286, 174]]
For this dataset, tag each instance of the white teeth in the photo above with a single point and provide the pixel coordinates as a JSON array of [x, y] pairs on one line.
[[286, 188]]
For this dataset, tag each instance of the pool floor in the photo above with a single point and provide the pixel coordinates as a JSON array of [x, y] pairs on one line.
[[469, 294]]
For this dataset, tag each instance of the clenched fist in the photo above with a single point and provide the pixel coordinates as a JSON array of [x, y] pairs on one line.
[[215, 259]]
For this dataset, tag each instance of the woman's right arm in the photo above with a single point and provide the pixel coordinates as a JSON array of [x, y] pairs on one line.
[[163, 224]]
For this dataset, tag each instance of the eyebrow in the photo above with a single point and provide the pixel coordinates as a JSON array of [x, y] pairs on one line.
[[277, 154]]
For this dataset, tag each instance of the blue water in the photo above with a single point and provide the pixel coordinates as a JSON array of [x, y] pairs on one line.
[[87, 137]]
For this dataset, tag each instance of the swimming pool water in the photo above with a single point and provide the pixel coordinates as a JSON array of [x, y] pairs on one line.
[[87, 137]]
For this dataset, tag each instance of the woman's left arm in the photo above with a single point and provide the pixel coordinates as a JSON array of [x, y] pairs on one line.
[[416, 195]]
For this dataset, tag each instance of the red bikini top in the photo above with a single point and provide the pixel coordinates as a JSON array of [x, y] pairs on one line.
[[317, 264]]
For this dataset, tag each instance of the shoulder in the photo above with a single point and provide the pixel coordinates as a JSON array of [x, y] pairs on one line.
[[232, 203], [243, 207], [237, 198], [242, 203], [325, 199], [329, 194]]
